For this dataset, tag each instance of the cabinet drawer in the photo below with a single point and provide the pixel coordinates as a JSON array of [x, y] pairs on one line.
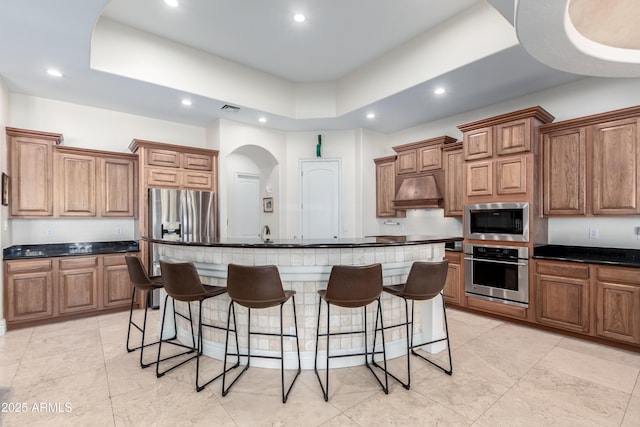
[[199, 181], [563, 269], [28, 266], [78, 262], [166, 158], [116, 259], [163, 178], [198, 162], [618, 274]]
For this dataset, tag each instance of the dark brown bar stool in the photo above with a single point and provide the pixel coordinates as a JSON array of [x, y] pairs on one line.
[[182, 283], [140, 281], [425, 281], [352, 287], [258, 287]]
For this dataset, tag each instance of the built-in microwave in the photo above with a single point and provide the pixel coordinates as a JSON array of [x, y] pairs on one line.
[[497, 221]]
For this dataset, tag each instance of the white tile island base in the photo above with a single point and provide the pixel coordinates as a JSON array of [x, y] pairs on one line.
[[306, 270]]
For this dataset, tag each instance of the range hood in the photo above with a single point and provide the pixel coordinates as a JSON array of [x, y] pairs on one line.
[[420, 192]]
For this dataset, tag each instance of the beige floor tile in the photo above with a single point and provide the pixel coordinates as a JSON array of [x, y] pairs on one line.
[[7, 372], [632, 416], [636, 390], [602, 351], [404, 408], [591, 368], [124, 375], [340, 421], [547, 397]]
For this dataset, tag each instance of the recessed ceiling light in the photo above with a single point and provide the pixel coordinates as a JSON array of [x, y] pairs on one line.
[[299, 17], [439, 91], [172, 3], [186, 102], [371, 116], [53, 72], [262, 120]]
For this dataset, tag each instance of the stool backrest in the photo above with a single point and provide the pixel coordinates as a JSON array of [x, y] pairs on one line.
[[182, 281], [255, 286], [354, 286], [137, 275], [425, 280]]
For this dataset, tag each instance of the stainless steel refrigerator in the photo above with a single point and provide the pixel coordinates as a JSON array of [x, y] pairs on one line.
[[180, 215]]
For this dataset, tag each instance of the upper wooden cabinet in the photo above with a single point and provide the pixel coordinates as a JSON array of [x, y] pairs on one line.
[[30, 155], [478, 143], [421, 156], [454, 179], [94, 183], [591, 165], [386, 187], [513, 137]]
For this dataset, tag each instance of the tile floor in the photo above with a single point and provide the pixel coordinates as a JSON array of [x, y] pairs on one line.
[[78, 374]]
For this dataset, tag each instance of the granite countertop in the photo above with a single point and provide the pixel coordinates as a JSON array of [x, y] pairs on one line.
[[68, 249], [372, 241], [591, 255]]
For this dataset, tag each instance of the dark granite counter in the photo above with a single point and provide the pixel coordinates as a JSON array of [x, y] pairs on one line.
[[373, 241], [68, 249], [591, 255]]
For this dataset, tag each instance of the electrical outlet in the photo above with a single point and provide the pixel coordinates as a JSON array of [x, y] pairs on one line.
[[593, 233], [637, 232], [50, 231], [118, 230]]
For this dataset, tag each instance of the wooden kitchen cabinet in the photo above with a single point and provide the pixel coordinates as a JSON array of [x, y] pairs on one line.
[[77, 284], [117, 182], [30, 155], [479, 176], [511, 175], [513, 137], [453, 290], [116, 285], [591, 165], [29, 290], [618, 303], [563, 295], [386, 187], [478, 143], [75, 184], [454, 180]]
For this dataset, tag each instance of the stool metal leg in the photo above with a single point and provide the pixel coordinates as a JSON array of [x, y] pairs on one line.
[[325, 393], [189, 349], [225, 390], [449, 370]]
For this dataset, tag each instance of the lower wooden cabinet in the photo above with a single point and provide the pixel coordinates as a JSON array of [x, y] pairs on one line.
[[454, 287], [44, 290], [618, 303]]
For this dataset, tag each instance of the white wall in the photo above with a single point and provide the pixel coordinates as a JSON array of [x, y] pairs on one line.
[[5, 231]]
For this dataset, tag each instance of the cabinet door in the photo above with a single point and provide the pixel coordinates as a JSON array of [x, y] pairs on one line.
[[385, 189], [513, 137], [75, 184], [163, 178], [118, 187], [479, 178], [31, 177], [198, 162], [511, 176], [563, 302], [616, 157], [198, 181], [406, 162], [117, 287], [478, 144], [618, 311], [78, 284], [452, 290], [454, 182], [164, 158], [429, 158], [29, 290], [563, 172]]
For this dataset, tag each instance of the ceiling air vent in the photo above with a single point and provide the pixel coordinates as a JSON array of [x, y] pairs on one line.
[[231, 108]]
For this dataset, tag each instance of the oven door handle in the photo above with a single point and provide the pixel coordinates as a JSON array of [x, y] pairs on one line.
[[523, 264]]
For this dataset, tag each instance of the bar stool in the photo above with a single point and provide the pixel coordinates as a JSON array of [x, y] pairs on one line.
[[140, 281], [425, 281], [182, 283], [352, 287], [258, 287]]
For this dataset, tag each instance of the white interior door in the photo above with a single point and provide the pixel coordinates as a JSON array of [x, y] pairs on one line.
[[320, 186], [246, 217]]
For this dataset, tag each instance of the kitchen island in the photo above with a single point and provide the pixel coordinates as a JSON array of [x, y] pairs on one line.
[[304, 267]]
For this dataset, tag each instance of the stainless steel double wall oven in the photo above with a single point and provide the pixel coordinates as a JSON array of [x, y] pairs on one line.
[[497, 271]]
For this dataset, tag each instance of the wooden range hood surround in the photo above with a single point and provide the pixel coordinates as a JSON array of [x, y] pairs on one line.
[[420, 191], [419, 174]]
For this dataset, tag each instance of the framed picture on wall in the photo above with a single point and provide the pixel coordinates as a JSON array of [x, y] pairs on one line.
[[5, 189], [267, 204]]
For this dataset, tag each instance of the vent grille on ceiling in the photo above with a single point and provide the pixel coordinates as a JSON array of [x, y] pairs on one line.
[[231, 108]]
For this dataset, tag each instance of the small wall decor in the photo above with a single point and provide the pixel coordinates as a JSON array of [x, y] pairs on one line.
[[267, 204], [319, 146], [5, 189]]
